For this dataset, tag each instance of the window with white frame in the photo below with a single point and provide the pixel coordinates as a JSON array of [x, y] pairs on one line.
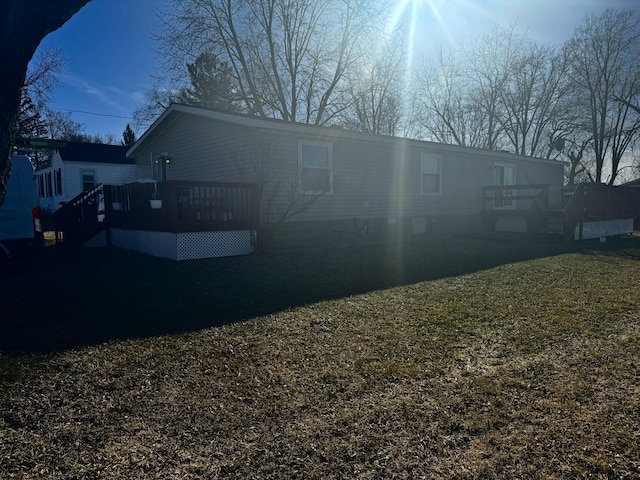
[[88, 179], [431, 174], [316, 167]]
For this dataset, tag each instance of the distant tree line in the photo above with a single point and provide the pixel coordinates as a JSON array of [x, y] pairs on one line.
[[322, 62]]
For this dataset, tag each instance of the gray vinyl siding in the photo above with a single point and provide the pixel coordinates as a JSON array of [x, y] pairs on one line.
[[373, 177], [374, 180], [200, 150]]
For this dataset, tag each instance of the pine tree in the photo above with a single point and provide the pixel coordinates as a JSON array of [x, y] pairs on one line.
[[212, 84], [128, 136], [29, 121]]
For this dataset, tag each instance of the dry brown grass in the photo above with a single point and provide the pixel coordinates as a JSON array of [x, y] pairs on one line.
[[526, 370]]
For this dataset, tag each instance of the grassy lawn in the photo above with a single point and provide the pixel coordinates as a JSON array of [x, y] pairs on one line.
[[454, 359]]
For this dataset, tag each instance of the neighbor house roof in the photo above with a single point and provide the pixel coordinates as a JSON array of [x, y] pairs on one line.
[[175, 111], [632, 183], [94, 153]]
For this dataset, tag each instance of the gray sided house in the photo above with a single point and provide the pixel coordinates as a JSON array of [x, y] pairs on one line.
[[325, 186]]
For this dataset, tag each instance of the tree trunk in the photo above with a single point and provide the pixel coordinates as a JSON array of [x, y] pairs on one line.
[[23, 26]]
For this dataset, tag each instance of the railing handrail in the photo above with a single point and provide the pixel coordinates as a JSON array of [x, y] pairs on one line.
[[200, 183], [78, 219], [615, 205], [583, 200], [189, 206], [541, 193], [82, 196], [519, 186]]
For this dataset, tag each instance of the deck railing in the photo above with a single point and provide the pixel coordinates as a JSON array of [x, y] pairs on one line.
[[530, 202], [593, 202], [186, 206], [587, 202], [81, 218], [599, 201], [515, 197]]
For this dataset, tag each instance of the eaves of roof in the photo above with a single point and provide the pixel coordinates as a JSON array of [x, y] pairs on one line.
[[336, 133]]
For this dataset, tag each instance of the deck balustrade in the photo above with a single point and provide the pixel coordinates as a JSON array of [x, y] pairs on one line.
[[186, 206]]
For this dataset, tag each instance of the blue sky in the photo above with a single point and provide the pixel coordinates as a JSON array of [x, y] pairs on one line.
[[111, 61]]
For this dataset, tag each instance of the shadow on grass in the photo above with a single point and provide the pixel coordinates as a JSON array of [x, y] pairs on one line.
[[97, 295]]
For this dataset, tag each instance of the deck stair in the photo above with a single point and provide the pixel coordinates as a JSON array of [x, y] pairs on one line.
[[81, 219]]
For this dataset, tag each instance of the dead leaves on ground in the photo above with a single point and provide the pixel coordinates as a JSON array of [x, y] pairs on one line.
[[529, 370]]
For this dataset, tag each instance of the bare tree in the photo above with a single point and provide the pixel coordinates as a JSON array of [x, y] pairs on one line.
[[42, 74], [289, 59], [41, 79], [464, 93], [157, 101], [443, 107], [488, 67], [376, 89], [61, 126], [635, 108], [279, 194], [20, 34], [578, 166], [532, 100], [603, 66]]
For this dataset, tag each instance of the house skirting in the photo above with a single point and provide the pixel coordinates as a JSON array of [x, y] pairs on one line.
[[185, 246], [604, 228], [347, 232], [511, 223]]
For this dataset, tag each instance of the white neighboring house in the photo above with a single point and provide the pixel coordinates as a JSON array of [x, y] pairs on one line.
[[77, 167]]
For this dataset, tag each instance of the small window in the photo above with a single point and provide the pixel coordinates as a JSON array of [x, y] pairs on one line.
[[88, 180], [316, 167], [431, 175], [48, 190], [41, 185], [58, 174]]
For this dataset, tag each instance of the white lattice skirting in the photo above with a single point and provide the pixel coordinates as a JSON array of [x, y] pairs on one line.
[[186, 246]]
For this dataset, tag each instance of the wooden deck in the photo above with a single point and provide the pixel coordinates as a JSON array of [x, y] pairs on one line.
[[586, 204], [181, 207], [590, 203], [184, 206]]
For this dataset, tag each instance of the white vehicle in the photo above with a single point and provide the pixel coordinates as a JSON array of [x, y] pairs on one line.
[[20, 228]]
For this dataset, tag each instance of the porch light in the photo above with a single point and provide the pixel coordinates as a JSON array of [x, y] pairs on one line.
[[164, 158]]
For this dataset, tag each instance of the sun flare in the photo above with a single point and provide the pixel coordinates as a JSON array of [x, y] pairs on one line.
[[427, 23]]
